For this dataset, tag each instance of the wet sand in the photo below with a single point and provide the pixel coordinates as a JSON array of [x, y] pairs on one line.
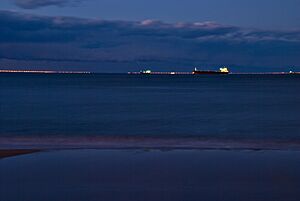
[[15, 152], [138, 174]]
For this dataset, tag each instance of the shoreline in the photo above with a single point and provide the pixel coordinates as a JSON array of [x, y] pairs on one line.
[[105, 142]]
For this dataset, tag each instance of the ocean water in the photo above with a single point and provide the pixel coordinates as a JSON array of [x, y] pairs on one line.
[[119, 175], [259, 107]]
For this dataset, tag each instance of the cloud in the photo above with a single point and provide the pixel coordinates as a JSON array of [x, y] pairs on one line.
[[90, 42], [32, 4]]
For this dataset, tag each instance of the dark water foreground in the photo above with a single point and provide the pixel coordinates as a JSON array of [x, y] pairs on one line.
[[197, 117], [80, 175]]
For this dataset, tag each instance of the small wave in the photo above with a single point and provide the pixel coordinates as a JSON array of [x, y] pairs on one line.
[[143, 143]]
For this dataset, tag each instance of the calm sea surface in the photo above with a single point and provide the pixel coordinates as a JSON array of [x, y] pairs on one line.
[[129, 175], [218, 107]]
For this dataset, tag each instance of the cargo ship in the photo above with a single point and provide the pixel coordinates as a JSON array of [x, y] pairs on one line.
[[195, 72], [211, 72]]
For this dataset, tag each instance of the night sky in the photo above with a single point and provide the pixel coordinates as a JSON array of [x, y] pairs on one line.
[[125, 35]]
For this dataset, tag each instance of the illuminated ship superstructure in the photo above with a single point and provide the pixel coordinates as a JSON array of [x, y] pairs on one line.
[[147, 72]]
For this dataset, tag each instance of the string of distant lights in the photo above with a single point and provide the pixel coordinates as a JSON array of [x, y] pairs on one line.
[[44, 71]]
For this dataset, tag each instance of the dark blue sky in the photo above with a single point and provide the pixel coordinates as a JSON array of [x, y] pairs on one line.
[[267, 14], [103, 35]]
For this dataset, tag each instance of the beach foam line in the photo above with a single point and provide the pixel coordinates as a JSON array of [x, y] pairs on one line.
[[44, 143]]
